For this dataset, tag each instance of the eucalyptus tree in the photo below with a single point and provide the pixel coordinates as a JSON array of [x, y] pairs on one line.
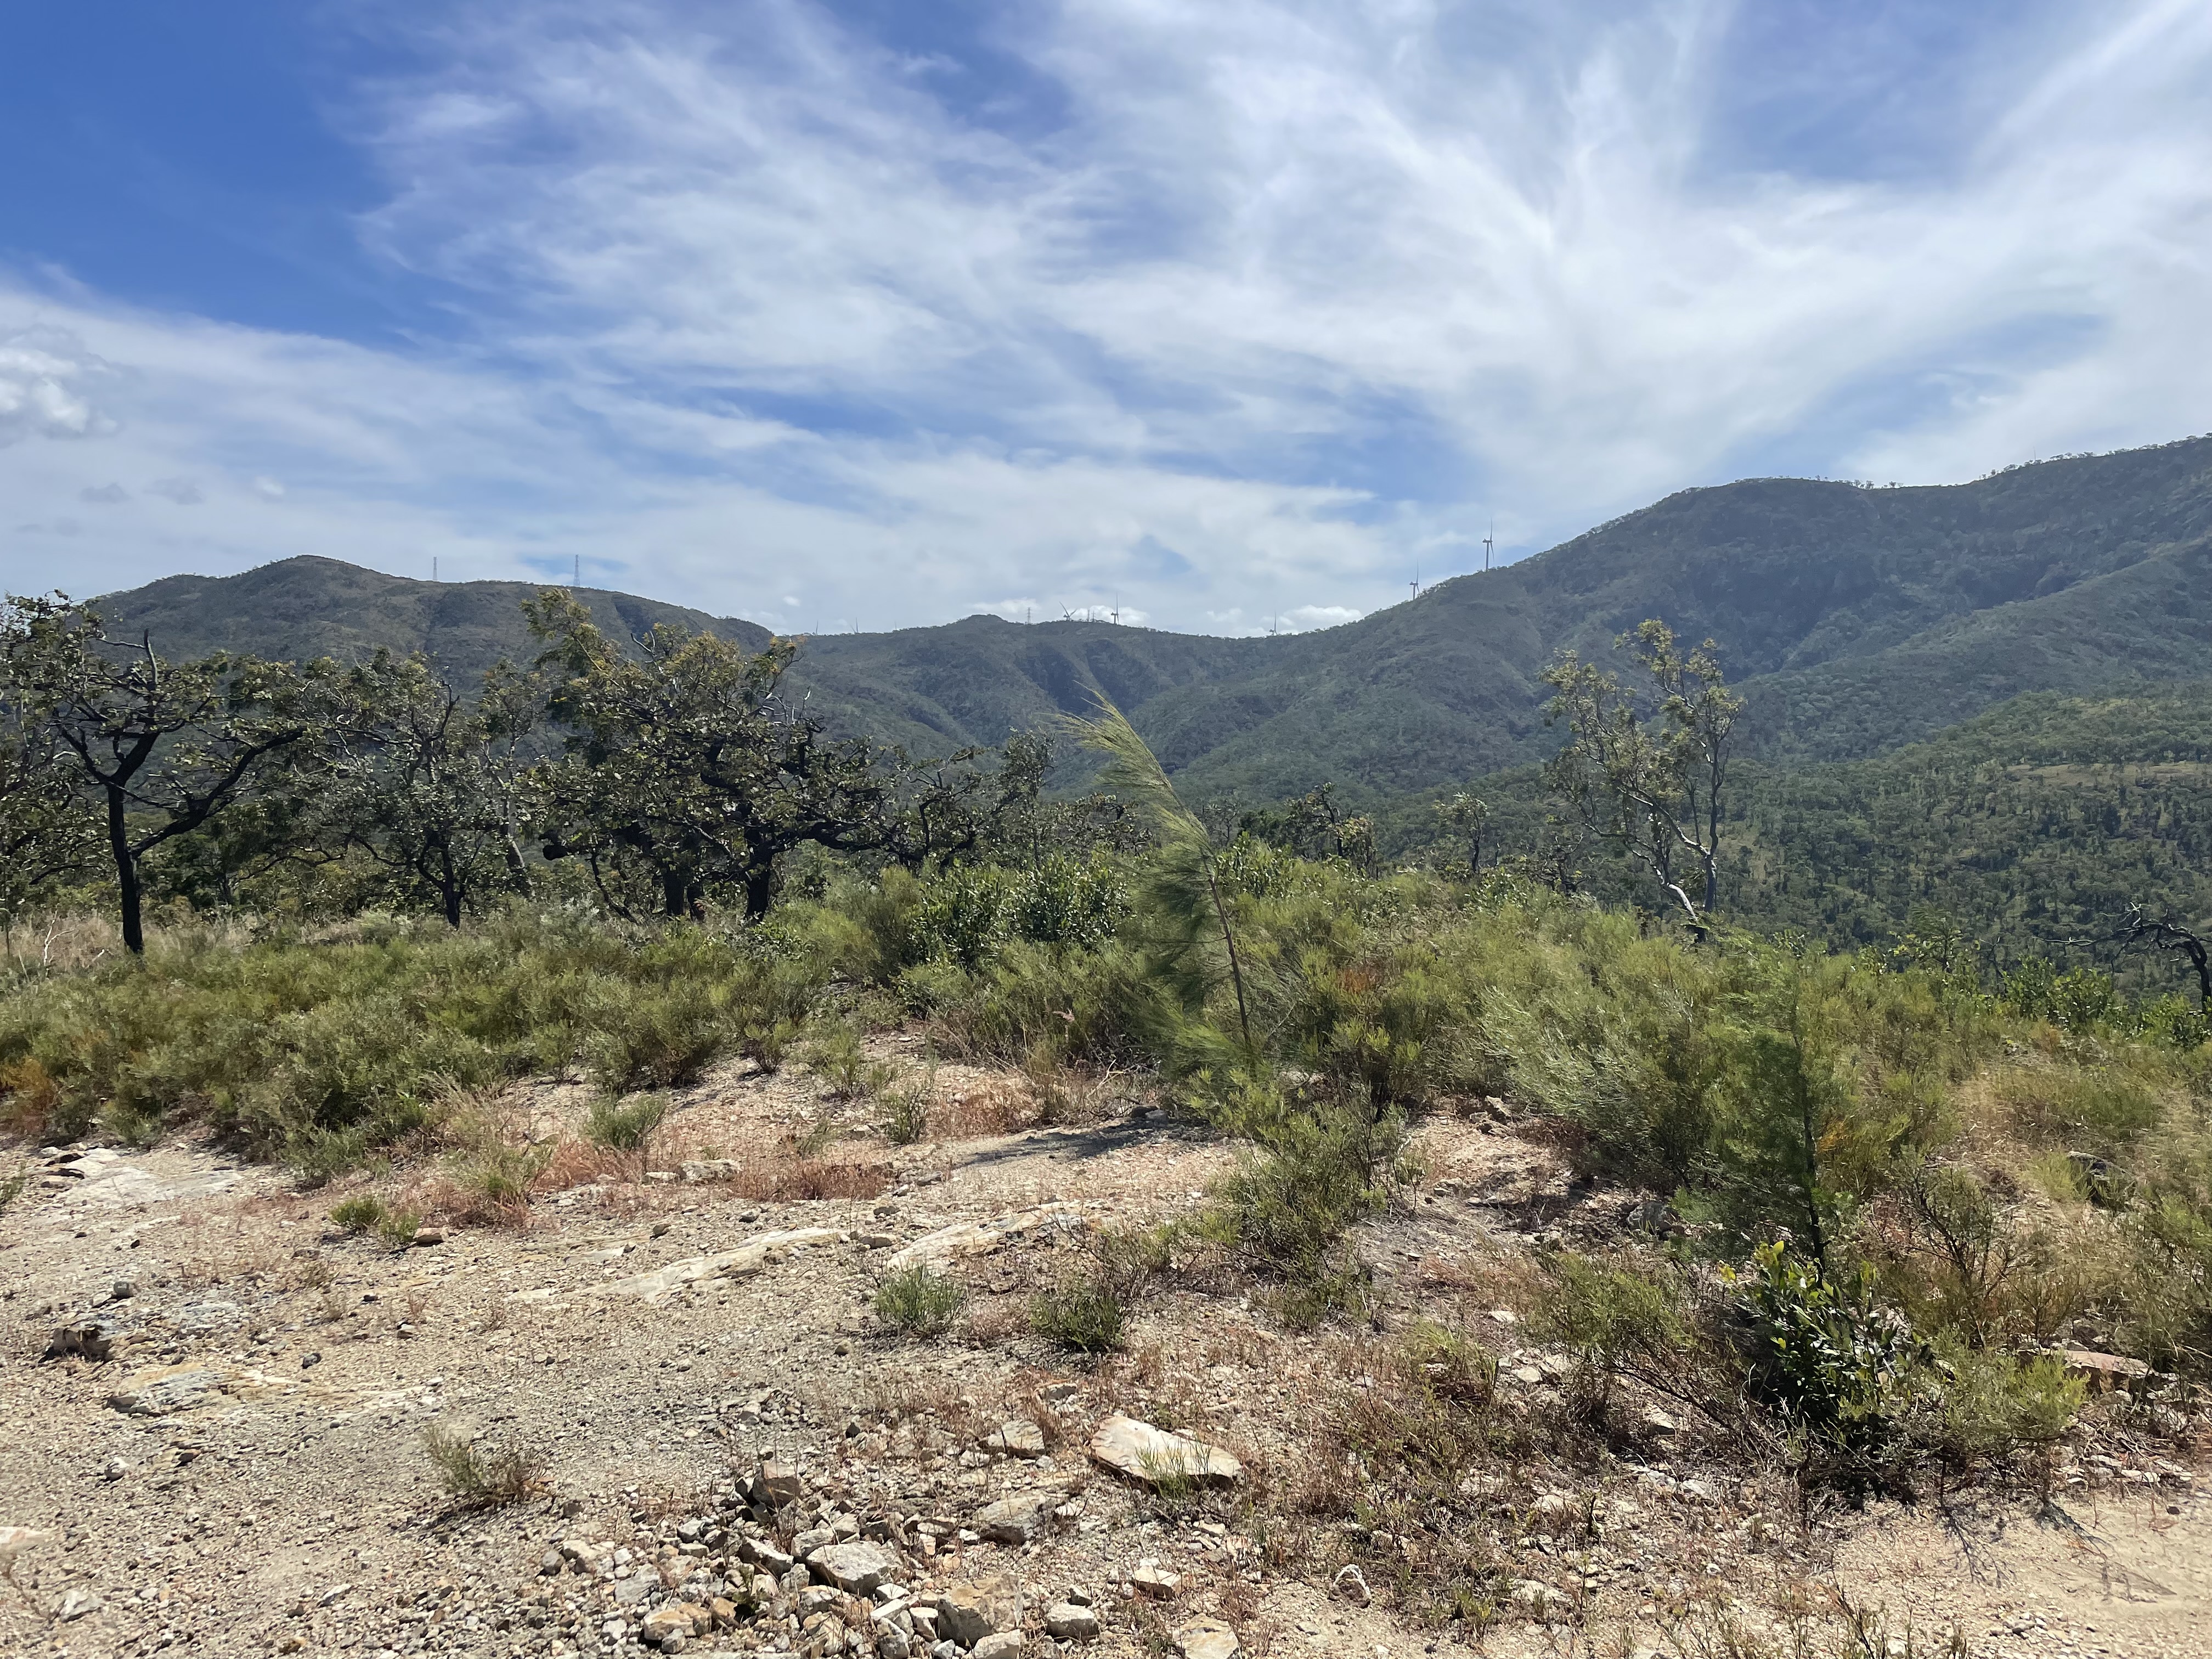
[[1648, 767]]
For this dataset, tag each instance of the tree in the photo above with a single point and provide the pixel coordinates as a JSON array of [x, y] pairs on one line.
[[2143, 930], [1653, 783], [161, 747], [44, 831], [683, 767], [431, 788], [1465, 819]]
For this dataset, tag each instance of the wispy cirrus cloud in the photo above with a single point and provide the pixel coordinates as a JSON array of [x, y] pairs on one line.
[[1219, 315]]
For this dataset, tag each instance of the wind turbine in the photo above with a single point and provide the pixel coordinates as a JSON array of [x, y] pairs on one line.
[[1486, 541]]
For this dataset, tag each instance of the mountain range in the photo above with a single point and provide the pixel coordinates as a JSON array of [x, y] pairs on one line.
[[1857, 620]]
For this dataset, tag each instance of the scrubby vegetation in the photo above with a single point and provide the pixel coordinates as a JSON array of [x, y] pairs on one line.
[[1883, 1190]]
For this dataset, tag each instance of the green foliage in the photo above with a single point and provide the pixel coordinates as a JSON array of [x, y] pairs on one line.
[[358, 1214], [1618, 1319], [12, 1185], [1084, 1312], [918, 1301], [397, 1227], [906, 1108], [625, 1125], [1837, 1364]]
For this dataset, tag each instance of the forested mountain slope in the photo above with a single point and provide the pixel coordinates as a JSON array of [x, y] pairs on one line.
[[1860, 619]]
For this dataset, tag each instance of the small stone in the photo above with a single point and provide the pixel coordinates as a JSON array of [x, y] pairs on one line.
[[1020, 1437], [977, 1607], [779, 1483], [764, 1555], [426, 1236], [1021, 1519], [1001, 1644], [88, 1339], [1528, 1375], [1351, 1585], [877, 1241], [1156, 1582], [77, 1601], [857, 1569], [1060, 1393], [1070, 1621], [1658, 1422], [1207, 1638]]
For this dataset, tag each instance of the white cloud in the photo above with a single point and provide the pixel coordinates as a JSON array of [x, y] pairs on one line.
[[44, 380], [1280, 302]]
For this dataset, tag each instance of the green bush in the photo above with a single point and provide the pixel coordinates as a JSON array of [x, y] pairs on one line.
[[1836, 1365], [358, 1214], [397, 1227], [1320, 1168], [1624, 1318], [917, 1301], [624, 1126], [1083, 1313]]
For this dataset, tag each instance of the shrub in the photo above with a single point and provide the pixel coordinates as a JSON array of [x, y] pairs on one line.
[[835, 1056], [1083, 1313], [397, 1227], [496, 1182], [1992, 1408], [358, 1215], [917, 1301], [906, 1110], [482, 1478], [654, 1035], [1833, 1363], [1319, 1169], [1618, 1319], [625, 1127]]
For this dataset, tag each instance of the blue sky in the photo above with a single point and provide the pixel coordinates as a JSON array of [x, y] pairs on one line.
[[873, 313]]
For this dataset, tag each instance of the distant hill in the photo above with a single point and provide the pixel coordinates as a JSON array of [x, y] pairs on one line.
[[1858, 619]]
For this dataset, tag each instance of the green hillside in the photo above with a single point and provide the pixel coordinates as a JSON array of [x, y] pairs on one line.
[[2034, 825], [1858, 619]]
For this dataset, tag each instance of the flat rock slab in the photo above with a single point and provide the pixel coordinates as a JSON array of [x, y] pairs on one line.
[[1023, 1518], [748, 1258], [966, 1238], [1150, 1455], [102, 1176], [977, 1607], [857, 1568], [1205, 1638], [188, 1386], [2105, 1371]]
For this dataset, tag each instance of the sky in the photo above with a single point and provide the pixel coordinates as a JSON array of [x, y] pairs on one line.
[[1222, 315]]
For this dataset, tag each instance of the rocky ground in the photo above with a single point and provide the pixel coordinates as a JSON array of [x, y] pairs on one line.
[[216, 1407]]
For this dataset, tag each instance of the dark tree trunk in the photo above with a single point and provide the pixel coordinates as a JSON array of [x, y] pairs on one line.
[[126, 874], [675, 893], [759, 889]]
